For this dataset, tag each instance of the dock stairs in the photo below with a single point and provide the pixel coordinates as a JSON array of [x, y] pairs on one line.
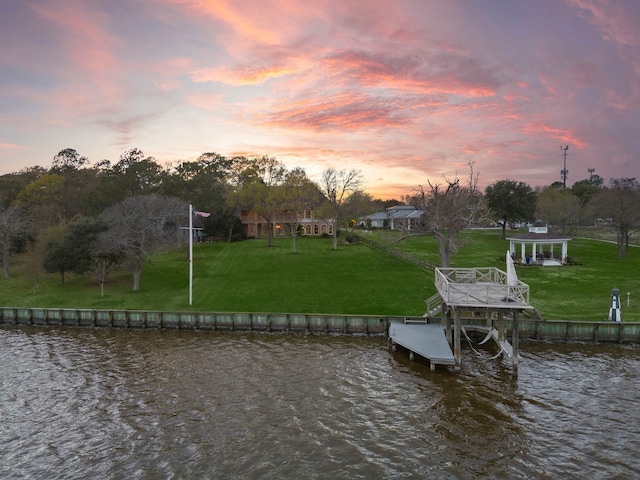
[[434, 306]]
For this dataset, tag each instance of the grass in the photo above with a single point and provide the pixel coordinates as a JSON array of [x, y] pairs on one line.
[[243, 276], [581, 291], [249, 276]]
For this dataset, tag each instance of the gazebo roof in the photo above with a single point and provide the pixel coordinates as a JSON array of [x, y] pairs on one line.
[[544, 237]]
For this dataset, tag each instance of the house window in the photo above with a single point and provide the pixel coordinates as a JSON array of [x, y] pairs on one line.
[[330, 229], [323, 228], [315, 229], [308, 229], [308, 214]]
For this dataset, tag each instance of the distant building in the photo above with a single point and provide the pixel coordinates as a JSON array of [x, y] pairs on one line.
[[255, 225], [603, 222], [398, 217]]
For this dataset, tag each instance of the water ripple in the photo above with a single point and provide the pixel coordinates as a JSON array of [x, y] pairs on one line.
[[157, 404]]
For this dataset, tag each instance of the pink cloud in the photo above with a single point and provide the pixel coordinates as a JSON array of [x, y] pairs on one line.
[[563, 136], [11, 147], [241, 75], [346, 111], [89, 46]]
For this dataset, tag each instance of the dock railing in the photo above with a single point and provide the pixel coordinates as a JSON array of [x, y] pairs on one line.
[[478, 285]]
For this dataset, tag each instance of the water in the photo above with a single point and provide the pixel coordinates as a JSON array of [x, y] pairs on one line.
[[117, 404]]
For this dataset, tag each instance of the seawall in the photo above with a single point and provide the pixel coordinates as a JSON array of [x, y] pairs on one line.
[[590, 331]]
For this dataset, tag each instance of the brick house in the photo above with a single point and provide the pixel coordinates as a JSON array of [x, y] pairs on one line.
[[255, 226]]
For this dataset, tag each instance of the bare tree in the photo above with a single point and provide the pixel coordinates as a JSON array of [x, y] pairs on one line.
[[140, 226], [621, 203], [14, 226], [337, 186], [448, 209], [104, 259]]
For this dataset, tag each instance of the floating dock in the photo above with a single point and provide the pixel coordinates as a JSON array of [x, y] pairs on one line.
[[427, 340]]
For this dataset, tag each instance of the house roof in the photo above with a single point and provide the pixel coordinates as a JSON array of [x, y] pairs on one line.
[[378, 216], [397, 212], [405, 213]]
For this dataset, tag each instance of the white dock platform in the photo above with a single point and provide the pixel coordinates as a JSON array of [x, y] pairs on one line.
[[426, 340]]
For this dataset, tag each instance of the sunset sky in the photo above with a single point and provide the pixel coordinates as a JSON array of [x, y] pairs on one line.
[[406, 91]]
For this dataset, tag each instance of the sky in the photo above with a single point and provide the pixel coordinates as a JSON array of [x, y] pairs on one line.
[[406, 91]]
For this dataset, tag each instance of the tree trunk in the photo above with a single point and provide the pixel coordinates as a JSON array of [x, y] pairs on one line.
[[136, 279], [5, 261], [5, 266], [626, 242], [335, 234], [270, 233], [444, 249], [620, 233]]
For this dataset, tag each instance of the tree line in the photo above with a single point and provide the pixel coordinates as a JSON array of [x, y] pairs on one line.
[[451, 206], [80, 217]]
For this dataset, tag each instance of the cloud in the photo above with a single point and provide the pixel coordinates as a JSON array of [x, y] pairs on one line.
[[412, 88], [87, 45], [346, 111], [11, 147], [238, 76]]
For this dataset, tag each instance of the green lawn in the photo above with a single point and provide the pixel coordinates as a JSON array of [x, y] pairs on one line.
[[581, 291], [249, 276], [244, 276]]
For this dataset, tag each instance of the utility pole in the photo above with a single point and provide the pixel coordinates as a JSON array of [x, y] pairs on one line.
[[564, 171], [591, 172]]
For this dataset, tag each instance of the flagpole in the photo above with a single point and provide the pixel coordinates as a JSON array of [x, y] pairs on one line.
[[190, 254]]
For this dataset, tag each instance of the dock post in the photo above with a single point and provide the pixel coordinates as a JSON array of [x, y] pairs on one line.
[[456, 337], [446, 316], [500, 326], [514, 342]]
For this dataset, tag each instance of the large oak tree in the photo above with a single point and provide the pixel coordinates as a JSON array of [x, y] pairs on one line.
[[511, 202]]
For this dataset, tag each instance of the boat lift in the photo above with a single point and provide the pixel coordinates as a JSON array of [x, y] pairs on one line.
[[488, 294]]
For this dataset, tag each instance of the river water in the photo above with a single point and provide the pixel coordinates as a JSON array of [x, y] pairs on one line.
[[116, 404]]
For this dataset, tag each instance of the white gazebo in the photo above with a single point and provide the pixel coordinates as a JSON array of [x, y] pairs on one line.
[[540, 245]]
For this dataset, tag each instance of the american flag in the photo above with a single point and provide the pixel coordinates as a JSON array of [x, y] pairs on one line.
[[201, 214]]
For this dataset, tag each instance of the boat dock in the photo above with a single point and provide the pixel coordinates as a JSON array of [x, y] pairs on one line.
[[427, 340], [488, 293]]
